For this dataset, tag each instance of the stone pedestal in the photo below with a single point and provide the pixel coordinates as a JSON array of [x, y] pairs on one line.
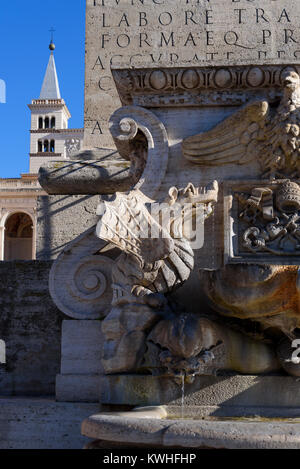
[[81, 368], [272, 396]]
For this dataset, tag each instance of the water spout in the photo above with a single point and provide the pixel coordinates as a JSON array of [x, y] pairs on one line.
[[182, 394]]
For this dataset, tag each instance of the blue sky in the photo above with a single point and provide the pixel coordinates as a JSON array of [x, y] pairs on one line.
[[24, 54]]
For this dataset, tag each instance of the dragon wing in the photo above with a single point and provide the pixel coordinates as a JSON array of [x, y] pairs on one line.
[[235, 140], [127, 224]]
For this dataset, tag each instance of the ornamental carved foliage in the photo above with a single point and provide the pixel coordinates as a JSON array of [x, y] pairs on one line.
[[269, 220]]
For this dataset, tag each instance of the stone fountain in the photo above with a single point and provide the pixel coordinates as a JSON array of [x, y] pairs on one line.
[[193, 265], [202, 321]]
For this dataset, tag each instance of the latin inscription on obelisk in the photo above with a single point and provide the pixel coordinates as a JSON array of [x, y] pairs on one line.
[[137, 33]]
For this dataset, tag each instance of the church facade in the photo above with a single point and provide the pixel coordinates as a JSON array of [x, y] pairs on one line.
[[50, 139]]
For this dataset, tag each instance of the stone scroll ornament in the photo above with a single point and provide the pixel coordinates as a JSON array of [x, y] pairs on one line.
[[134, 130], [80, 278], [256, 132]]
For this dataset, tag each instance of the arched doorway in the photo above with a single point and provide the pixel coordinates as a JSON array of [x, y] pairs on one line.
[[18, 238]]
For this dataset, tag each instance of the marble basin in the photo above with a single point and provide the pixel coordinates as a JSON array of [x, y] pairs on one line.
[[173, 426]]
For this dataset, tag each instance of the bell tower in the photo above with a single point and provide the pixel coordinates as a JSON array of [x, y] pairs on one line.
[[49, 133]]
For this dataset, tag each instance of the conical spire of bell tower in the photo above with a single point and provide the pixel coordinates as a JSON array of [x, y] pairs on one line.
[[50, 88]]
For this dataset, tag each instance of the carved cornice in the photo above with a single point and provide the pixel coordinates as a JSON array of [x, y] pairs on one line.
[[196, 86]]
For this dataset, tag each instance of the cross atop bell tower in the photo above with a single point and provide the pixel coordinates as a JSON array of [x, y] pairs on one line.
[[52, 31]]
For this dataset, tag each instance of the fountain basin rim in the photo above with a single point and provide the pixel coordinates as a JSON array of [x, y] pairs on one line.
[[139, 427]]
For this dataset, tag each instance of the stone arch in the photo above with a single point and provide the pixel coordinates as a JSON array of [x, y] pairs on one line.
[[18, 236]]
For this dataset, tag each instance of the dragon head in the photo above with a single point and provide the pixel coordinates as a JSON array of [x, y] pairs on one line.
[[187, 204]]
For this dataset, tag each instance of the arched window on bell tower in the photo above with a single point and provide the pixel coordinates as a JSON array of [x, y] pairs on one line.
[[41, 122], [47, 122], [53, 122], [46, 146], [52, 146], [40, 146]]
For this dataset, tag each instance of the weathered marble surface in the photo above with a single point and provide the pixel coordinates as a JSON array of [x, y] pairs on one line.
[[81, 367], [74, 177], [154, 33], [228, 393]]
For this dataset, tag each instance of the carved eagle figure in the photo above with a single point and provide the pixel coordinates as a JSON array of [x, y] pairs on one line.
[[256, 132]]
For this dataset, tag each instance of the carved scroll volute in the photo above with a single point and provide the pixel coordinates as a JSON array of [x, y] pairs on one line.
[[80, 279], [124, 126]]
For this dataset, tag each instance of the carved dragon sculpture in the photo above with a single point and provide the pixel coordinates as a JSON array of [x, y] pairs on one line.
[[159, 259], [156, 258], [141, 330]]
